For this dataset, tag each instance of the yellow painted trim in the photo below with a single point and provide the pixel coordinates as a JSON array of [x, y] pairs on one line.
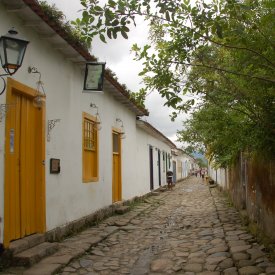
[[21, 88], [42, 227], [117, 131], [86, 115], [7, 188], [11, 171], [92, 179]]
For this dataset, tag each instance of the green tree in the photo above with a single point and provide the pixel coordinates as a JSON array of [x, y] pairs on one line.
[[233, 114], [201, 162], [221, 54]]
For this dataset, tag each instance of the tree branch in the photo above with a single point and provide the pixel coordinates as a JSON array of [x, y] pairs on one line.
[[223, 70], [241, 48]]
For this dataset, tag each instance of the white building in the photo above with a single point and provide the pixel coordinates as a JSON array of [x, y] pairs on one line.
[[183, 164], [159, 151], [56, 164], [219, 175]]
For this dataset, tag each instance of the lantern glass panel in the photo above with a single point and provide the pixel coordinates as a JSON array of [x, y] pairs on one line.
[[15, 50]]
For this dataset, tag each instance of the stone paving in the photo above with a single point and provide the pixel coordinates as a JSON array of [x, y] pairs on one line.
[[189, 230]]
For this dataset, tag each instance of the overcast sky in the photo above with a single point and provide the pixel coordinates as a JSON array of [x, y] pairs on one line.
[[116, 54]]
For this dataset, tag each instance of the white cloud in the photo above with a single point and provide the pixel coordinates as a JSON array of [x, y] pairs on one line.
[[70, 8], [160, 118]]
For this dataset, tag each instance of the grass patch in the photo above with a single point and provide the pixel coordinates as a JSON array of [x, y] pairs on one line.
[[226, 195], [135, 202]]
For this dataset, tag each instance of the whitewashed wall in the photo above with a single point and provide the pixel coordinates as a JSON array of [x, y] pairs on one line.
[[219, 176], [142, 167], [67, 198], [186, 167], [186, 164]]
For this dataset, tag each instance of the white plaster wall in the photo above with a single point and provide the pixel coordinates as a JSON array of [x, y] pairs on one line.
[[190, 165], [163, 168], [218, 176], [221, 177], [186, 164], [142, 168], [187, 167], [179, 171], [67, 198], [212, 173], [88, 197]]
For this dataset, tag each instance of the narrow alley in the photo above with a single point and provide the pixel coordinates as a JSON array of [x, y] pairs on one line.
[[190, 230]]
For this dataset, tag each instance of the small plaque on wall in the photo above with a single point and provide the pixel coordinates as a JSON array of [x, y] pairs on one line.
[[54, 166]]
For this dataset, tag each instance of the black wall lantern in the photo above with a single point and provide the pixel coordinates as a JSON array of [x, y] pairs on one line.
[[94, 75], [12, 52]]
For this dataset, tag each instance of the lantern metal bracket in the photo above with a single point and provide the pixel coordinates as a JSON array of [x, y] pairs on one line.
[[98, 119], [3, 90], [40, 92], [33, 70], [122, 133], [4, 108], [51, 124]]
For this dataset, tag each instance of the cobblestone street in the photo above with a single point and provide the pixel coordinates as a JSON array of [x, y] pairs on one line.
[[190, 230]]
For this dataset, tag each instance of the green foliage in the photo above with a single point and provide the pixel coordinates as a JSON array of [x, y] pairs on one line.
[[219, 54], [201, 162], [59, 18], [139, 97]]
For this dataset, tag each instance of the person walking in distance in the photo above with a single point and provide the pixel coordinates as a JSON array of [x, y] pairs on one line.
[[202, 175], [169, 175]]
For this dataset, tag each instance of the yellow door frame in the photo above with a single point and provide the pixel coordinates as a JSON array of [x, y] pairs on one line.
[[12, 166], [116, 186]]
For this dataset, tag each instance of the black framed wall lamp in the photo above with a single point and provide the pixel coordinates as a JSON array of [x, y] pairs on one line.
[[94, 76], [12, 52]]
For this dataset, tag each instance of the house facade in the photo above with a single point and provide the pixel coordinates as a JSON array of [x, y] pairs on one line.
[[76, 153], [159, 150], [183, 164]]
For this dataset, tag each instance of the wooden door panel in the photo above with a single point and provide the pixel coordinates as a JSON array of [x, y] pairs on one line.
[[116, 186], [28, 164], [12, 169], [116, 195], [24, 170]]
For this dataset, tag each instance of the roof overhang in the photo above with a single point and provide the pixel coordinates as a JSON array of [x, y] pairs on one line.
[[32, 15], [148, 128], [124, 98]]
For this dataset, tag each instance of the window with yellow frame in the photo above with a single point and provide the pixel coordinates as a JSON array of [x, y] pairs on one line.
[[89, 148]]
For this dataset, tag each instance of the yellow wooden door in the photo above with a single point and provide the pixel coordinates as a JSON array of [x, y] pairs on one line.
[[116, 167], [24, 165]]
